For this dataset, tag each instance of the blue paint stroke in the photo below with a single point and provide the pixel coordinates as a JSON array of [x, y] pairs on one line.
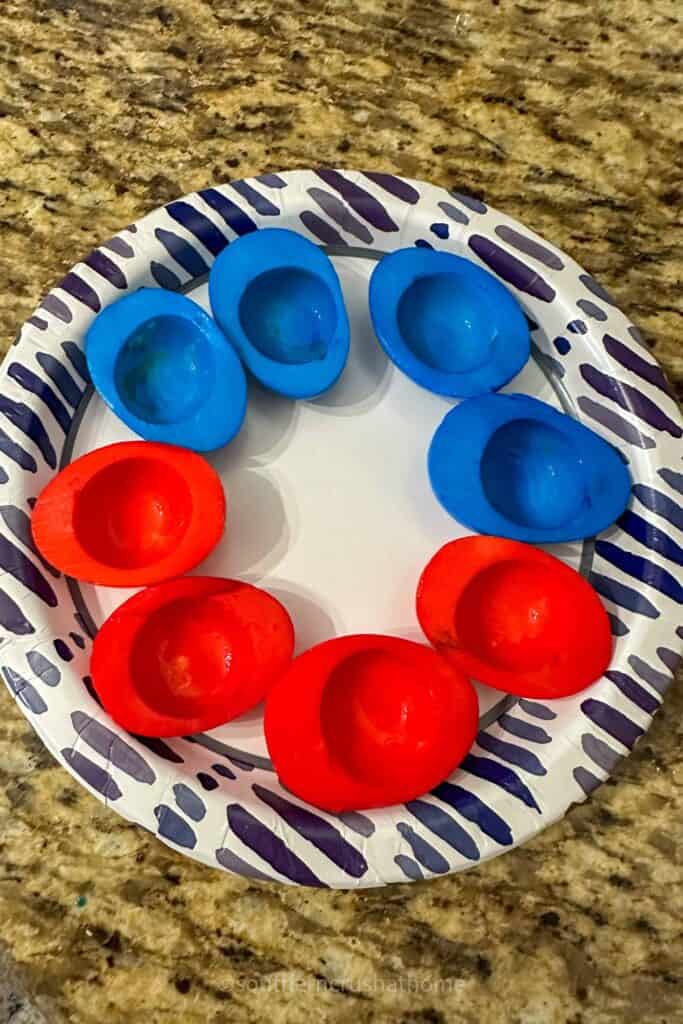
[[616, 423], [16, 453], [612, 721], [12, 618], [471, 202], [645, 368], [97, 778], [233, 755], [642, 569], [652, 537], [257, 201], [630, 399], [357, 823], [586, 780], [188, 801], [106, 268], [231, 862], [158, 747], [671, 659], [511, 269], [511, 753], [660, 503], [394, 186], [31, 425], [523, 730], [659, 681], [577, 327], [641, 697], [424, 853], [597, 289], [233, 215], [340, 213], [409, 867], [33, 384], [112, 747], [90, 687], [499, 775], [18, 523], [620, 594], [77, 359], [324, 836], [591, 310], [476, 811], [672, 478], [24, 691], [182, 252], [81, 290], [63, 650], [600, 752], [84, 625], [273, 850], [206, 781], [30, 382], [271, 180], [537, 710], [120, 247], [320, 228], [453, 213], [365, 205], [174, 828], [164, 277], [443, 826], [617, 627], [530, 247], [198, 225], [53, 304], [15, 562], [61, 377], [43, 669]]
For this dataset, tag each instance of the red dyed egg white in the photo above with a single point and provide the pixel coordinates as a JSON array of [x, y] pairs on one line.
[[513, 617], [368, 721], [189, 655], [129, 514]]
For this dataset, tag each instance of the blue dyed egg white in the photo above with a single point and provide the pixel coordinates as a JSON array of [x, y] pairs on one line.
[[512, 466], [164, 367], [447, 323], [278, 299]]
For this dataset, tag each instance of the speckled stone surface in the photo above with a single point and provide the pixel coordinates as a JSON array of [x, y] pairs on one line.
[[563, 114]]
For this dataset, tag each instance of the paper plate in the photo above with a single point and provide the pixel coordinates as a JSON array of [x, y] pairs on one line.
[[330, 509]]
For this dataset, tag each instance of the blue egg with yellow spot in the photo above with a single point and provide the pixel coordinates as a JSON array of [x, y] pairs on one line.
[[447, 323], [512, 466], [278, 299], [163, 366]]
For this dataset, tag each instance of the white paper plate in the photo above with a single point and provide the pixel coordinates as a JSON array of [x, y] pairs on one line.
[[330, 509]]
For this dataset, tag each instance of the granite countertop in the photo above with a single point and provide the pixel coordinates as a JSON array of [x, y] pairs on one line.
[[562, 113]]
